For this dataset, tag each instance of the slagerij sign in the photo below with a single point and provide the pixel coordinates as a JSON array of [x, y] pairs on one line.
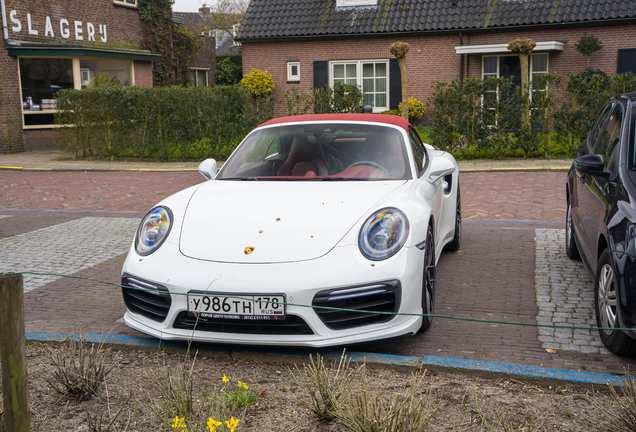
[[78, 29]]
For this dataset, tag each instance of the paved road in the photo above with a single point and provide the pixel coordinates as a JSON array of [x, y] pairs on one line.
[[508, 271]]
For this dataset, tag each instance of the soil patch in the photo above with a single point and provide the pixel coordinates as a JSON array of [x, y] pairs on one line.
[[460, 397]]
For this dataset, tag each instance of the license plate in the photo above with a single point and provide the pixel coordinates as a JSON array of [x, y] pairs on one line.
[[237, 306]]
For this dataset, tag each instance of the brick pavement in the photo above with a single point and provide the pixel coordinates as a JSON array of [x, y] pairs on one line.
[[492, 277], [493, 195]]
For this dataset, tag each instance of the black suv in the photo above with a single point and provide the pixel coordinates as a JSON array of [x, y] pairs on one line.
[[601, 218]]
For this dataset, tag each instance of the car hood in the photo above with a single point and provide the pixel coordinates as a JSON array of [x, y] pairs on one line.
[[281, 222]]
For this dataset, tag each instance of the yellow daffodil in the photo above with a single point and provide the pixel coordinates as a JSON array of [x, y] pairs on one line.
[[225, 379], [232, 424], [179, 423], [242, 385], [213, 425]]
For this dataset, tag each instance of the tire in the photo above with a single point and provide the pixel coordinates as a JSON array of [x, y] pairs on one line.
[[571, 249], [605, 306], [457, 238], [428, 280]]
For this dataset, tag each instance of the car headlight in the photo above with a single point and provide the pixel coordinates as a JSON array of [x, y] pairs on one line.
[[153, 230], [383, 234]]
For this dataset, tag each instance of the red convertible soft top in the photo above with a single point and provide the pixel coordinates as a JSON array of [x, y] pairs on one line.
[[375, 118]]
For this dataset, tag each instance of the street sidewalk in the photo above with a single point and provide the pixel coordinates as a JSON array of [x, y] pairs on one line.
[[57, 160]]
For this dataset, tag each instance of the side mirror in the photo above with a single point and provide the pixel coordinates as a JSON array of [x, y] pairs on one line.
[[207, 169], [592, 164], [440, 167]]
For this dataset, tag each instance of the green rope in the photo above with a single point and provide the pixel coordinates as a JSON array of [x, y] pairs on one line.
[[332, 308]]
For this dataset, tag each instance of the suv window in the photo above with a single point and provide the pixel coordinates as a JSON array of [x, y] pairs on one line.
[[419, 151], [599, 123], [611, 135]]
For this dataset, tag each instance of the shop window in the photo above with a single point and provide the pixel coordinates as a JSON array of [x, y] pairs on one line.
[[42, 78], [372, 76], [199, 77], [293, 71], [102, 71]]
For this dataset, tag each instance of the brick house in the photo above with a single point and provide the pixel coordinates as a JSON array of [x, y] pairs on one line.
[[310, 43], [203, 62], [59, 44]]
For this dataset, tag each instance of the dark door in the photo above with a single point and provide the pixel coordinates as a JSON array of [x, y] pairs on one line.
[[509, 66], [592, 203]]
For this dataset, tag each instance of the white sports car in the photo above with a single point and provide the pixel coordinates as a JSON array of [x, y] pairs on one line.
[[317, 231]]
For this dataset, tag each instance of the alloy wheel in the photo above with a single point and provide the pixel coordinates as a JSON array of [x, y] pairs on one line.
[[607, 298]]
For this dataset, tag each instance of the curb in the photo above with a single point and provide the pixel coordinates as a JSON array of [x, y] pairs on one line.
[[9, 168], [459, 365], [516, 169]]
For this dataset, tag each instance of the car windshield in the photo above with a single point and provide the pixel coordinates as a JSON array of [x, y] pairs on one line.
[[320, 151]]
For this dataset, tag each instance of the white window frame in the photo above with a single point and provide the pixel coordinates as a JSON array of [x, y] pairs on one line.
[[347, 3], [290, 76], [530, 61], [483, 57], [196, 78], [359, 77], [126, 3]]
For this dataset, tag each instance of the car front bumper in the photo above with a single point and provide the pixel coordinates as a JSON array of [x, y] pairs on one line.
[[300, 281]]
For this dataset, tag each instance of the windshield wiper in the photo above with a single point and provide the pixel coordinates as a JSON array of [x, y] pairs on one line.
[[342, 179], [241, 178]]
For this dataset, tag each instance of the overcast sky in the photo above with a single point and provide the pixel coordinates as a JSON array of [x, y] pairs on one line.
[[186, 5]]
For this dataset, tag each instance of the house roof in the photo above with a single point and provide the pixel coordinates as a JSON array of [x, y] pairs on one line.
[[311, 18]]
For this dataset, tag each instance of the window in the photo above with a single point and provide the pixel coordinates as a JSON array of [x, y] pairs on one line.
[[293, 71], [99, 71], [419, 151], [41, 78], [371, 75], [611, 135], [508, 66], [346, 3], [198, 77], [626, 61], [126, 2]]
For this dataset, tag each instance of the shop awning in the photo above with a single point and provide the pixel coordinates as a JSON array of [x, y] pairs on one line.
[[61, 50], [554, 45]]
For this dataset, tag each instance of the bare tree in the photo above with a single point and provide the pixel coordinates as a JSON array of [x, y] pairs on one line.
[[222, 14]]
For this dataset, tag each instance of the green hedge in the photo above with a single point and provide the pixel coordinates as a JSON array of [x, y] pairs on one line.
[[482, 118], [160, 122]]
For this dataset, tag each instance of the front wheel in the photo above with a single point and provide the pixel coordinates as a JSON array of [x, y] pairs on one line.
[[428, 281], [606, 308]]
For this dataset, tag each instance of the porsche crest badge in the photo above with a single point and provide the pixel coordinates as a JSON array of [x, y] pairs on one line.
[[248, 250]]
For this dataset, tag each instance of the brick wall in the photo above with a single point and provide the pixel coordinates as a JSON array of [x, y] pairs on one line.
[[143, 74], [205, 57], [430, 58], [123, 29], [40, 139], [11, 134]]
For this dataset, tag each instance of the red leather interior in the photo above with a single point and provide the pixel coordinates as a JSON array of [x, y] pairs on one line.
[[304, 157]]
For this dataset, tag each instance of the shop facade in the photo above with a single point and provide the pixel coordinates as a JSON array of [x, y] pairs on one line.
[[55, 45]]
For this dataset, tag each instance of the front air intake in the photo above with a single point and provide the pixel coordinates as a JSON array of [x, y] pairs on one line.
[[383, 297], [291, 325], [146, 298]]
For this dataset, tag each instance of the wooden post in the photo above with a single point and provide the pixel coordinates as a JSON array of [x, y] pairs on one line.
[[13, 354]]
